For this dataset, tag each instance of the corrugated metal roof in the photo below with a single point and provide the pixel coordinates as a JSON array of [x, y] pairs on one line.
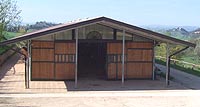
[[104, 20]]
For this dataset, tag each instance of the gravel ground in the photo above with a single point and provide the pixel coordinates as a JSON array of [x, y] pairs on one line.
[[139, 101], [156, 98]]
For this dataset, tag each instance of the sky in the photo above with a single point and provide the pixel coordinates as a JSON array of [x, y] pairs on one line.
[[136, 12]]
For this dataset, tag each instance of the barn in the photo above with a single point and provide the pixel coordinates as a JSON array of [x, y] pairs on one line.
[[100, 48]]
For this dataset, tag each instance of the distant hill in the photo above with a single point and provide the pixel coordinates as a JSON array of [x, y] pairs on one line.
[[41, 25], [177, 32], [195, 33], [30, 27], [180, 30], [167, 27]]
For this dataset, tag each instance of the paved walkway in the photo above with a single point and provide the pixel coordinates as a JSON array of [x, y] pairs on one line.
[[188, 80]]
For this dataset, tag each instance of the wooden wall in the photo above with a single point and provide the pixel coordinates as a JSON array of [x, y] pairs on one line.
[[56, 60], [114, 62], [52, 60], [138, 60], [42, 60], [65, 60]]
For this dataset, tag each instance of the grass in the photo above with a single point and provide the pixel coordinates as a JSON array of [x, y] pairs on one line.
[[3, 49], [8, 35], [181, 68], [191, 59]]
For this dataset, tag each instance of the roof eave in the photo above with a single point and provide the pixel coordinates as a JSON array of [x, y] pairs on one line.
[[160, 37]]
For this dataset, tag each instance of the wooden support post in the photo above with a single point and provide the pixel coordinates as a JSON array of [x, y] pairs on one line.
[[167, 64], [27, 68], [28, 76], [123, 50], [153, 72], [76, 68], [115, 34], [73, 34], [25, 77], [169, 59], [29, 59]]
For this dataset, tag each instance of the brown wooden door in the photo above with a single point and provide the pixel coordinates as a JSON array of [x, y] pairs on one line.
[[42, 60], [64, 60], [139, 60], [114, 61]]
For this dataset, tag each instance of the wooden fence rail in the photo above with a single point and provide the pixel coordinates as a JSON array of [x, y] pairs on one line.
[[185, 64]]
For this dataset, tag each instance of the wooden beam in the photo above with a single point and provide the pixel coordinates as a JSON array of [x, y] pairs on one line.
[[73, 34], [167, 63], [27, 66], [123, 57], [115, 34], [153, 72], [169, 60], [76, 69]]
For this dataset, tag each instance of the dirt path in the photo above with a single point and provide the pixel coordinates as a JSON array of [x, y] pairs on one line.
[[188, 80], [106, 99]]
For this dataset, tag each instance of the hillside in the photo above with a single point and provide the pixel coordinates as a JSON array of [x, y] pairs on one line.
[[178, 32], [40, 25], [195, 34], [191, 55]]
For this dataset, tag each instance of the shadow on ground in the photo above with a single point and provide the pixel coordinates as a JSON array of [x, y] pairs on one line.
[[129, 85], [9, 64]]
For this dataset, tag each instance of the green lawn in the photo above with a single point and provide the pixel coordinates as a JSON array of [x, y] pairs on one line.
[[8, 35], [191, 59], [3, 49], [178, 66]]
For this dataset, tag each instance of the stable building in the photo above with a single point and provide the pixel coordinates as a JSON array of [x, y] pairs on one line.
[[100, 48]]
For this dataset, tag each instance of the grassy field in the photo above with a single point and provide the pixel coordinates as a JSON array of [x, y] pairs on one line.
[[191, 59], [9, 35], [189, 70]]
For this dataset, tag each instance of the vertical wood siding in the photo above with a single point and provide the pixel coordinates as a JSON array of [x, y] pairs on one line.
[[42, 60], [138, 60], [65, 70]]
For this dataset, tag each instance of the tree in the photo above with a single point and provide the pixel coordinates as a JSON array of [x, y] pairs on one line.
[[9, 15], [161, 50], [175, 48]]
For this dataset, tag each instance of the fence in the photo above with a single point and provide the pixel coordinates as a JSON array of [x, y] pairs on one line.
[[179, 62]]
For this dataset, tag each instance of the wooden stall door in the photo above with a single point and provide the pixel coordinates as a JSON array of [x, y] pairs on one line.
[[65, 60], [114, 61], [42, 60], [139, 60]]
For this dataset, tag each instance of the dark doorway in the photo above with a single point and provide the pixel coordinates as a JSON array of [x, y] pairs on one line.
[[92, 60]]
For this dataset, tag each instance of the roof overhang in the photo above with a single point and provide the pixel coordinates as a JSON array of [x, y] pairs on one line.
[[104, 21]]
